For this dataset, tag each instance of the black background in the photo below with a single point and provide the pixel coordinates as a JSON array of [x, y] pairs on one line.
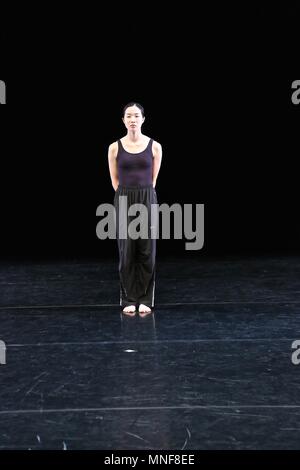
[[216, 87]]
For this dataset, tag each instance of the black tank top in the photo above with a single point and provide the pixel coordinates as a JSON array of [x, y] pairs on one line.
[[135, 169]]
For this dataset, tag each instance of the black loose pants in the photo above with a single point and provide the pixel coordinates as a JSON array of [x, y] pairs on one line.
[[136, 254]]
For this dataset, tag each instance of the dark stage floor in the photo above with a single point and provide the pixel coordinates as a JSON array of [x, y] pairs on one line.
[[209, 369]]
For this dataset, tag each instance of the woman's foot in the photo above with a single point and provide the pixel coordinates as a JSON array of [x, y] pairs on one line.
[[144, 309], [129, 310]]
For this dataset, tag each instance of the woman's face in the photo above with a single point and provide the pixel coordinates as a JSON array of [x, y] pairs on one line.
[[133, 118]]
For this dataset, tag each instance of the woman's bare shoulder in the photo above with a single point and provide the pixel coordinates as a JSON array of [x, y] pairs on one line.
[[113, 149], [156, 146]]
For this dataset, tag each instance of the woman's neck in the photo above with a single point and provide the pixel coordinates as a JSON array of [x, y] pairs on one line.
[[133, 136]]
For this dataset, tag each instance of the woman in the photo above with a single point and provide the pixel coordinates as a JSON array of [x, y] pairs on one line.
[[134, 163]]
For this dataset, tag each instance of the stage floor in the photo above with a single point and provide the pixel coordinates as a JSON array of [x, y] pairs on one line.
[[210, 368]]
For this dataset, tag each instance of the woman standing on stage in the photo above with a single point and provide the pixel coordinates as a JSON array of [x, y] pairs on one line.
[[134, 164]]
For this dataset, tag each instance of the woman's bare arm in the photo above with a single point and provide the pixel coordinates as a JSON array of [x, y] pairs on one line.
[[157, 157], [112, 163]]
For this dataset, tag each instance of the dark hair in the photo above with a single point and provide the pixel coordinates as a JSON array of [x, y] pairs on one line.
[[134, 103]]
